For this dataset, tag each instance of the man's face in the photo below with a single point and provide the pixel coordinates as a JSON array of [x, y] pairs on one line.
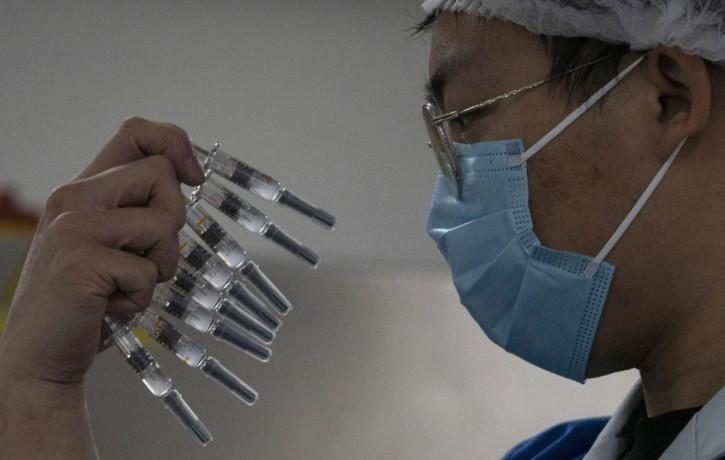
[[583, 183]]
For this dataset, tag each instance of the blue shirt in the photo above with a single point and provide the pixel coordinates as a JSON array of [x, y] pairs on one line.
[[566, 441]]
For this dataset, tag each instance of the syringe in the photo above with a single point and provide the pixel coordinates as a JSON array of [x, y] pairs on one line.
[[205, 321], [245, 215], [155, 379], [208, 289], [209, 296], [193, 354], [217, 273], [259, 183], [171, 300]]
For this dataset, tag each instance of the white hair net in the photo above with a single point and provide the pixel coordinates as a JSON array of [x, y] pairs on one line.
[[695, 26]]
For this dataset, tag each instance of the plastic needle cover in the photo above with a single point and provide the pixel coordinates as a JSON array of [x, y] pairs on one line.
[[259, 183], [213, 369], [176, 404]]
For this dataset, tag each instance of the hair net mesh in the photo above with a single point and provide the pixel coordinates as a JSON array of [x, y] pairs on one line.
[[695, 26]]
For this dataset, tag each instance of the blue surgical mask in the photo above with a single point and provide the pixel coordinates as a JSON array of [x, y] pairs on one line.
[[540, 304]]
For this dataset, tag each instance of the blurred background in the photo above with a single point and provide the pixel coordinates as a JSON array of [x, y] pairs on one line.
[[377, 360]]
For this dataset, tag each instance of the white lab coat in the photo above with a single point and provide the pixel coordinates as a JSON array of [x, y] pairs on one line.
[[703, 438]]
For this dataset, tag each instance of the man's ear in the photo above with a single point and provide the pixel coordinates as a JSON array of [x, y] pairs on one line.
[[682, 82]]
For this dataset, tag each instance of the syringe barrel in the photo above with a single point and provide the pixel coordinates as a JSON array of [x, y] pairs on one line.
[[163, 332], [213, 369], [238, 172], [252, 304], [322, 217], [215, 236], [190, 284], [224, 332], [201, 261], [182, 307], [176, 404], [138, 358], [279, 236], [232, 205], [252, 273]]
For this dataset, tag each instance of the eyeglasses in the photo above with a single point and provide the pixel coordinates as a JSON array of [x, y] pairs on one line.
[[437, 125]]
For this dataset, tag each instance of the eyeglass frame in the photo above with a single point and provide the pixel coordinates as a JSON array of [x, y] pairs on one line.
[[436, 123]]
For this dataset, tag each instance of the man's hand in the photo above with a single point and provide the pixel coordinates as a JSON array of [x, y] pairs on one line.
[[102, 244]]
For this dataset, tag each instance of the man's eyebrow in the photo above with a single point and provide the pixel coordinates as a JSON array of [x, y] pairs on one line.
[[440, 77]]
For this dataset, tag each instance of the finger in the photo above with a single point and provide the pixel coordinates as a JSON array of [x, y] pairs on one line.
[[145, 232], [128, 281], [138, 138], [150, 181]]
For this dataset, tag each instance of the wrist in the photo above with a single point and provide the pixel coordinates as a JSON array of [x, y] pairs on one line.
[[40, 418]]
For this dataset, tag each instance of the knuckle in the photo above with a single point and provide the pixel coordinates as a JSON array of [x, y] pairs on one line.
[[166, 269], [166, 263], [148, 273], [172, 229], [59, 198], [131, 124], [67, 222], [72, 258]]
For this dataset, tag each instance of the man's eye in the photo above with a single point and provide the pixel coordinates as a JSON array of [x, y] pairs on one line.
[[462, 121], [459, 123]]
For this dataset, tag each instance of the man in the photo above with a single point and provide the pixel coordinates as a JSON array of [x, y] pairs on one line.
[[563, 158], [661, 312]]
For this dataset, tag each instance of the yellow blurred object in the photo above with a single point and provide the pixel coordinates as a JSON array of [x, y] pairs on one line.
[[17, 227]]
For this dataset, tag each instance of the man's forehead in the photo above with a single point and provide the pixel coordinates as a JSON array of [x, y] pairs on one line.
[[453, 44], [484, 52], [458, 48]]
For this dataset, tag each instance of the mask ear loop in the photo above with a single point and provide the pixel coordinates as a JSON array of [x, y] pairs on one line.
[[517, 160], [593, 266]]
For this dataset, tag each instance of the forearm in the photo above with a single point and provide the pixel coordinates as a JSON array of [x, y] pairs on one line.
[[43, 420]]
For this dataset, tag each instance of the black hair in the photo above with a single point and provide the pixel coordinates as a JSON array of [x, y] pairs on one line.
[[567, 53]]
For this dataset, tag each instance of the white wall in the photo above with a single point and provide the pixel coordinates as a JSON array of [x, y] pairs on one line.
[[377, 360], [369, 365]]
